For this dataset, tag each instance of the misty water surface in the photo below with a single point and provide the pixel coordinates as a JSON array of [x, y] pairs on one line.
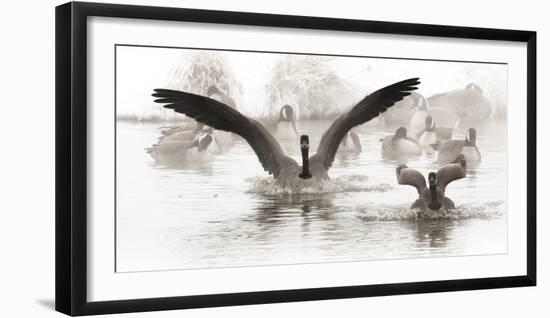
[[228, 212]]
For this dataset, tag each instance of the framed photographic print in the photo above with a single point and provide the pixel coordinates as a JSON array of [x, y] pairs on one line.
[[208, 158]]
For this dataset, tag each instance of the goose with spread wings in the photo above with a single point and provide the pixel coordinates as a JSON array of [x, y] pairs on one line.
[[284, 169], [432, 197]]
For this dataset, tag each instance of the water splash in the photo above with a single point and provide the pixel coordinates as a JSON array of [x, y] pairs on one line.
[[489, 210], [349, 183]]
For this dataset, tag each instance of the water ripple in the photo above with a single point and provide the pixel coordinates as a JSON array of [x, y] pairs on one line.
[[348, 183], [465, 211]]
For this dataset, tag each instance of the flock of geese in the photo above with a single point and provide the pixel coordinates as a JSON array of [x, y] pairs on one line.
[[425, 126]]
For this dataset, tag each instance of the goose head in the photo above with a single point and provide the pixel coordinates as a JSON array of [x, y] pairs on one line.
[[471, 137], [287, 113], [203, 140], [401, 132], [419, 102], [430, 123], [304, 148]]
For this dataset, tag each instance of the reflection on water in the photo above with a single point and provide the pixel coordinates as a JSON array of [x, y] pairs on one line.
[[228, 212]]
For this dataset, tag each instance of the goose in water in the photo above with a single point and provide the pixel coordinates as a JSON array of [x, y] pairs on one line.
[[285, 170], [286, 125], [212, 92], [399, 146], [177, 151], [468, 147], [172, 147], [470, 104], [431, 196], [416, 122], [443, 117], [350, 144], [432, 135]]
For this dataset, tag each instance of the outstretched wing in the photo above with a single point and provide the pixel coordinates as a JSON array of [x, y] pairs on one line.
[[451, 172], [221, 116], [367, 109], [408, 176]]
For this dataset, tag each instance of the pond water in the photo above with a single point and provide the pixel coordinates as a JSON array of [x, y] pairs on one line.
[[228, 212]]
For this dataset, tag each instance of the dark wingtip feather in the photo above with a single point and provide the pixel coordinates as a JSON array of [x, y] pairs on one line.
[[163, 92], [157, 92], [412, 81], [409, 84]]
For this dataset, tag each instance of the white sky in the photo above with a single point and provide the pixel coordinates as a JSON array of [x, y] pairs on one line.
[[141, 69]]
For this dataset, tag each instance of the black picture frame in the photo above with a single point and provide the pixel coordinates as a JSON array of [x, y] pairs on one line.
[[71, 157]]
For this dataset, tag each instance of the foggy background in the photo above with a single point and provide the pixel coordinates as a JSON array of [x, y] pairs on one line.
[[260, 83]]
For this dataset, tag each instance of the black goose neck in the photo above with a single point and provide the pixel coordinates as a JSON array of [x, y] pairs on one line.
[[304, 147], [434, 204]]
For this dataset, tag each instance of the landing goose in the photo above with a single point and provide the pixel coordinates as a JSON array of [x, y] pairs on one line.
[[284, 169], [431, 196]]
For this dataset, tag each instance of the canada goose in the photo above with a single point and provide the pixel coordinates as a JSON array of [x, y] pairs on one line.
[[416, 122], [443, 117], [284, 169], [470, 104], [206, 141], [432, 135], [401, 113], [399, 146], [468, 147], [431, 197], [177, 139], [184, 147], [350, 143], [286, 125]]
